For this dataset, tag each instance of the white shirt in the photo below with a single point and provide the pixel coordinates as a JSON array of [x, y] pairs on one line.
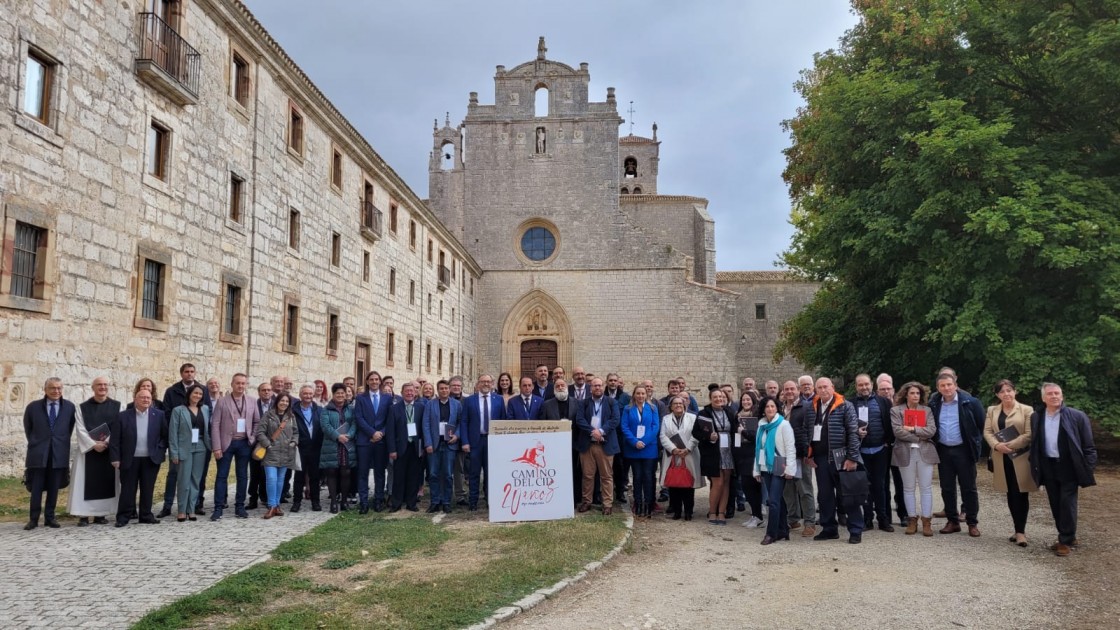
[[1053, 426], [141, 433]]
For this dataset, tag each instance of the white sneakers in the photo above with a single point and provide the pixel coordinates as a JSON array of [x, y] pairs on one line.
[[753, 522]]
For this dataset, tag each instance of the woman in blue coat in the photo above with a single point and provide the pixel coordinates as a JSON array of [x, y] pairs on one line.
[[640, 428]]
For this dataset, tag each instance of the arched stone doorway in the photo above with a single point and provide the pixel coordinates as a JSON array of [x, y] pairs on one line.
[[536, 330]]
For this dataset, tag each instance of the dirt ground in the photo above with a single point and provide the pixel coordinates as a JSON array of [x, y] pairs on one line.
[[681, 575]]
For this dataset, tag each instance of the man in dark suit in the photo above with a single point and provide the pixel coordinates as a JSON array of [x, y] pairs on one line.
[[47, 425], [371, 409], [310, 445], [597, 443], [138, 454], [580, 389], [564, 407], [404, 430], [960, 425], [479, 410], [543, 385], [176, 396], [616, 391], [1063, 457], [527, 406]]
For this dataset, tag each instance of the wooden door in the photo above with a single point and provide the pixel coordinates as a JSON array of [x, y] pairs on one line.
[[536, 352]]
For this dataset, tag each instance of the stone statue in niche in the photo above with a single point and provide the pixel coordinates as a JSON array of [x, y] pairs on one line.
[[538, 321], [542, 141], [514, 98]]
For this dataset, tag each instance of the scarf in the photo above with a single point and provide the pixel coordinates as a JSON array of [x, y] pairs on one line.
[[766, 438]]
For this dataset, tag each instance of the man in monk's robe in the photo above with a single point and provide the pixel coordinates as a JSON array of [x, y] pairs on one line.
[[94, 485]]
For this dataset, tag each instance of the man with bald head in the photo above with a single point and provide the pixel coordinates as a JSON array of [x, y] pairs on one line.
[[834, 446], [800, 497], [93, 480], [47, 425]]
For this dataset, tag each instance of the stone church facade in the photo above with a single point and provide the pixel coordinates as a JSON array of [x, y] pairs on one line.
[[585, 262], [174, 188]]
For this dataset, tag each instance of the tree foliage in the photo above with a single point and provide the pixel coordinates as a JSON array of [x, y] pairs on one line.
[[955, 174]]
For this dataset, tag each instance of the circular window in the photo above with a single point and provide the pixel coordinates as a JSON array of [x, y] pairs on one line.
[[538, 243]]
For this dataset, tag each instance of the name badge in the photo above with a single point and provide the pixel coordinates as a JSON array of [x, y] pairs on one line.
[[443, 429], [240, 425], [724, 440], [738, 440], [194, 436], [863, 414], [411, 429], [817, 433], [641, 431]]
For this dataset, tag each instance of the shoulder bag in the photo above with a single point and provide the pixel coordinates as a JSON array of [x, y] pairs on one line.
[[678, 475], [260, 451]]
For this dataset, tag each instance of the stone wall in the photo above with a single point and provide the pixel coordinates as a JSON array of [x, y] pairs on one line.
[[82, 176]]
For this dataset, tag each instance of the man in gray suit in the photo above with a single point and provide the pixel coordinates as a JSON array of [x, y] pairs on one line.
[[47, 424]]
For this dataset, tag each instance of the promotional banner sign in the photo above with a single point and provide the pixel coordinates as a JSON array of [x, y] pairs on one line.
[[530, 477]]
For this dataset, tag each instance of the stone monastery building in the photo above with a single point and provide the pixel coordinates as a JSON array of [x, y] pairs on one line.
[[174, 188]]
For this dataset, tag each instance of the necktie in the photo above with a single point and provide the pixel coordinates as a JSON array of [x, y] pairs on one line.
[[408, 412], [375, 399], [527, 400], [486, 414], [53, 415]]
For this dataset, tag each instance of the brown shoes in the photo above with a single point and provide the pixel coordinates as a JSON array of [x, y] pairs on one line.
[[583, 507], [269, 514], [607, 511], [951, 528], [795, 524], [927, 527], [974, 531], [911, 526], [1061, 550], [808, 531]]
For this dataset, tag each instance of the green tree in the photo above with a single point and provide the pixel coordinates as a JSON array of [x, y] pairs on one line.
[[955, 173]]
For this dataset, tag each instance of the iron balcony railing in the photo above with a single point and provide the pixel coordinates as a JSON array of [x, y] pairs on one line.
[[165, 48], [371, 217]]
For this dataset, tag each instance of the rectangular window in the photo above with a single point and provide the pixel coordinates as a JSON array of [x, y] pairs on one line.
[[439, 361], [410, 356], [361, 359], [231, 317], [760, 311], [390, 347], [159, 145], [365, 266], [239, 80], [332, 332], [295, 130], [431, 249], [291, 327], [336, 249], [441, 310], [37, 87], [151, 300], [428, 356], [412, 234], [336, 169], [472, 285], [393, 217], [27, 260], [392, 282], [236, 195], [293, 229], [429, 303], [412, 292], [451, 363]]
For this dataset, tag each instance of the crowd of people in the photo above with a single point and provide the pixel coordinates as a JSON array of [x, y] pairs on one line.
[[816, 459]]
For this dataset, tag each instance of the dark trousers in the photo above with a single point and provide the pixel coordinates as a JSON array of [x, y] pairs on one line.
[[237, 455], [338, 483], [375, 457], [645, 488], [479, 467], [1061, 490], [753, 490], [577, 478], [878, 475], [170, 485], [777, 517], [899, 493], [257, 488], [828, 496], [309, 476], [1018, 503], [408, 476], [682, 501], [202, 481], [956, 467], [141, 473], [620, 473], [44, 480]]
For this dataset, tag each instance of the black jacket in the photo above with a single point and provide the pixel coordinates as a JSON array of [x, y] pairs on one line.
[[1083, 452], [802, 426], [972, 418], [884, 415], [40, 438]]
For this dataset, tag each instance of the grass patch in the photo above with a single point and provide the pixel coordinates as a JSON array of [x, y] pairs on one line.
[[414, 574]]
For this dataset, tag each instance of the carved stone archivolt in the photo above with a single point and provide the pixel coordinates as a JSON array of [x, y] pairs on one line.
[[537, 315]]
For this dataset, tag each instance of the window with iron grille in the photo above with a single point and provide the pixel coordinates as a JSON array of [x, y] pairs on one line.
[[231, 317], [25, 259], [151, 302], [291, 327], [332, 333]]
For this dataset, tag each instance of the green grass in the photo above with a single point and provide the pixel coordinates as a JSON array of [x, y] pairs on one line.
[[518, 559]]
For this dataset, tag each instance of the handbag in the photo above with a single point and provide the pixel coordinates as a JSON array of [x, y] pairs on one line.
[[678, 475], [854, 484], [260, 451]]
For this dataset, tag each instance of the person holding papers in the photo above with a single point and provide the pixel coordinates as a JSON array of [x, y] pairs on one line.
[[188, 441], [337, 456], [914, 452], [93, 480], [775, 461], [713, 430], [441, 443], [406, 417], [680, 451], [1007, 430], [640, 426]]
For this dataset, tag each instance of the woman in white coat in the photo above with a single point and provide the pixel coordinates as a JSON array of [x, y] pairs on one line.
[[775, 462], [678, 445]]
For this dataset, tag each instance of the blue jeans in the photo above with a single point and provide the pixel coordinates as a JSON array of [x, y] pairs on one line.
[[274, 483], [237, 455], [777, 516], [441, 475], [644, 485]]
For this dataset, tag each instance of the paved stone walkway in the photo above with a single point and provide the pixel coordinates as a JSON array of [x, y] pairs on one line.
[[104, 577]]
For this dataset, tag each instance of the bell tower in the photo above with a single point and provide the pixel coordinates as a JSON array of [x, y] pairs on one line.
[[445, 173], [637, 164]]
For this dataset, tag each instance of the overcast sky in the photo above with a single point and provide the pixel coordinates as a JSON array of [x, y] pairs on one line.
[[716, 76]]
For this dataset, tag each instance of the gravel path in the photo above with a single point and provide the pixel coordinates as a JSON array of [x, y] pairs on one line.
[[688, 575]]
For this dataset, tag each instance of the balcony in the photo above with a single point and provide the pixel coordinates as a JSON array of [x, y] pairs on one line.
[[166, 62], [371, 220], [444, 278]]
